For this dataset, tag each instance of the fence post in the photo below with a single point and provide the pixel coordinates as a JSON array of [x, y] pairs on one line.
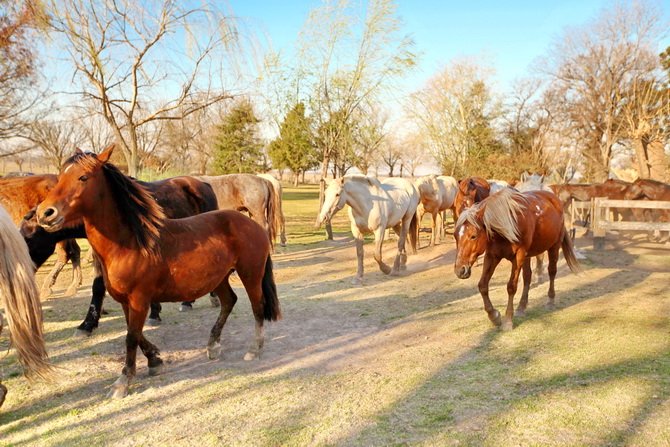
[[598, 232]]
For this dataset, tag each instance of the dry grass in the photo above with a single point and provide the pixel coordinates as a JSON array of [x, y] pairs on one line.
[[410, 360]]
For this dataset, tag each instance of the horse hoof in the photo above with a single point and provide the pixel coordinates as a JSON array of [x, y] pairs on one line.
[[81, 333], [185, 308], [495, 319], [153, 322], [357, 281], [3, 393], [118, 392], [214, 351], [394, 273], [156, 370], [520, 314], [250, 356], [214, 301], [507, 326], [71, 291], [551, 306], [45, 293]]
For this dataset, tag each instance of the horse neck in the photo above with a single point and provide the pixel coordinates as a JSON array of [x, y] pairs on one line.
[[358, 198]]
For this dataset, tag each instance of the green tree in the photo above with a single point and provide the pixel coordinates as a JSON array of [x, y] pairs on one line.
[[238, 148], [294, 148]]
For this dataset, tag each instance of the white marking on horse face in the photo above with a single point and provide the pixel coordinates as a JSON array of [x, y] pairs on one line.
[[461, 230], [67, 169]]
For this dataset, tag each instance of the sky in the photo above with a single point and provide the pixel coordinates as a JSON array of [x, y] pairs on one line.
[[513, 33]]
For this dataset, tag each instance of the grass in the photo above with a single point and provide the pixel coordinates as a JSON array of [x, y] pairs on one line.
[[399, 361]]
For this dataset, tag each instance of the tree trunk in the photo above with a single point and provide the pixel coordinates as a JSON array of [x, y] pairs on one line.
[[322, 194], [652, 161]]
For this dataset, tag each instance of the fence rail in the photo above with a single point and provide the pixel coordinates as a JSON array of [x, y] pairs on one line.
[[602, 222]]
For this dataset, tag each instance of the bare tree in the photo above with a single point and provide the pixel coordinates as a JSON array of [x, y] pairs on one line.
[[140, 62], [413, 151], [56, 140], [592, 66], [369, 133]]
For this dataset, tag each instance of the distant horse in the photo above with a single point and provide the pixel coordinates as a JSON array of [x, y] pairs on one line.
[[21, 302], [514, 226], [279, 215], [436, 195], [150, 258], [534, 182], [18, 174], [375, 206], [247, 193], [19, 194], [647, 189], [179, 196], [497, 185], [470, 191]]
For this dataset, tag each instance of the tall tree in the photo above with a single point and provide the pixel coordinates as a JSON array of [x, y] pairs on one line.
[[238, 148], [592, 67], [294, 148], [119, 51], [56, 140]]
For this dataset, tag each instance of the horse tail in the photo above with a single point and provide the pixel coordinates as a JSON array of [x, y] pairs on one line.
[[21, 301], [270, 213], [278, 221], [414, 232], [270, 299], [569, 252]]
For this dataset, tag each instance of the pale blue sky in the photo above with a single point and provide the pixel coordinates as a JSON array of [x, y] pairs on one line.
[[513, 33]]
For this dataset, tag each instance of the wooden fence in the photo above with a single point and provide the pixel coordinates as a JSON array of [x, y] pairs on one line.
[[602, 217]]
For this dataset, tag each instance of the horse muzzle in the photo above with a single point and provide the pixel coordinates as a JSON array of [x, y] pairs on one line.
[[50, 219], [464, 272]]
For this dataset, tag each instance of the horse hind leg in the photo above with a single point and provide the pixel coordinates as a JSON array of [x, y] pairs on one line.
[[400, 263], [74, 255], [552, 269], [151, 352], [253, 286], [523, 303], [227, 300], [50, 280]]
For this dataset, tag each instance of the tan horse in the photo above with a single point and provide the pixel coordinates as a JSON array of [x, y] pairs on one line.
[[18, 293], [279, 220], [436, 195]]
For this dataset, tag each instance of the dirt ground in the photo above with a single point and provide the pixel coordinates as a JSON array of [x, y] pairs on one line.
[[346, 365]]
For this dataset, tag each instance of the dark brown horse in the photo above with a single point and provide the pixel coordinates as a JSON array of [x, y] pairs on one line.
[[514, 226], [20, 194], [150, 258], [179, 196], [470, 191]]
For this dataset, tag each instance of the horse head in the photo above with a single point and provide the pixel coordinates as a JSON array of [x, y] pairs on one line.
[[335, 198], [78, 189], [471, 240]]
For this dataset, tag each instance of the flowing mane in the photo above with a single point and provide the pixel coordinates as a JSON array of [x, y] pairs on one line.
[[500, 214], [142, 213], [363, 179]]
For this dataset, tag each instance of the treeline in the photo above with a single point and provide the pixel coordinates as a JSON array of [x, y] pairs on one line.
[[196, 90]]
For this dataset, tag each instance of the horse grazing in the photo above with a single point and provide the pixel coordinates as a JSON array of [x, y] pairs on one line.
[[514, 226], [279, 220], [21, 303], [150, 258], [247, 193], [179, 196], [19, 194], [470, 191], [375, 206], [436, 195]]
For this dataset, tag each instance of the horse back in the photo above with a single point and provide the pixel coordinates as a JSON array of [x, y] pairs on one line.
[[544, 221]]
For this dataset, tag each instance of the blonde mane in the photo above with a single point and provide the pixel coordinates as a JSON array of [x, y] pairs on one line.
[[363, 178], [500, 214]]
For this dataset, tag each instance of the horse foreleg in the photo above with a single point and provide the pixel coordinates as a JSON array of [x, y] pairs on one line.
[[434, 237], [527, 274], [3, 393], [517, 264], [155, 314], [552, 269], [135, 318], [539, 268], [358, 238], [379, 240], [227, 298], [151, 352], [253, 285], [490, 264], [400, 262], [74, 255], [94, 309]]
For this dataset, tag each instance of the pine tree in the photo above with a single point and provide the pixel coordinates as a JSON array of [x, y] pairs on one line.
[[238, 148]]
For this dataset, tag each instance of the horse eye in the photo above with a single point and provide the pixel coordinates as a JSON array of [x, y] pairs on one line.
[[473, 237], [83, 178]]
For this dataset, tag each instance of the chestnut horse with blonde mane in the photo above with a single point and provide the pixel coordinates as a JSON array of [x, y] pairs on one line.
[[21, 302], [514, 226], [148, 258]]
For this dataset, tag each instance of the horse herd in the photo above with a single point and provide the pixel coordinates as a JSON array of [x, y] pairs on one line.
[[179, 239]]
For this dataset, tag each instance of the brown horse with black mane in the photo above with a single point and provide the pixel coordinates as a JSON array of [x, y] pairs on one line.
[[148, 258], [470, 191], [20, 194], [514, 226]]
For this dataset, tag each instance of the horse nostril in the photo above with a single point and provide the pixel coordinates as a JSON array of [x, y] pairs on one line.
[[49, 212]]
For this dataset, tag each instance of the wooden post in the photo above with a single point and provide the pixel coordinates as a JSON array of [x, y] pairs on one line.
[[598, 233]]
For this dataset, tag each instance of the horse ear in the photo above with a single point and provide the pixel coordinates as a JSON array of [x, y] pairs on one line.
[[341, 179], [524, 176], [105, 155], [542, 178], [78, 151]]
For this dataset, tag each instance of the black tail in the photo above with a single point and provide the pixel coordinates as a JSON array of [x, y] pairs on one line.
[[270, 299]]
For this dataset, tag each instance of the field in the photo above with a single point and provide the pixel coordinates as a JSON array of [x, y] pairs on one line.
[[409, 360]]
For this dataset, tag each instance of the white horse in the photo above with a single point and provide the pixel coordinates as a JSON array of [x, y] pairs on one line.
[[534, 182], [497, 185], [436, 194], [375, 206]]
